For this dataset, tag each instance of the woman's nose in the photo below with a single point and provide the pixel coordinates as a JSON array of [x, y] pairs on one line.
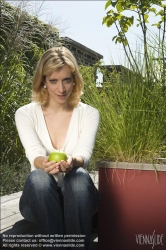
[[61, 87]]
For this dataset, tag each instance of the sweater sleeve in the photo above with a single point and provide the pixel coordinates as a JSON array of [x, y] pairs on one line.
[[26, 129], [89, 127]]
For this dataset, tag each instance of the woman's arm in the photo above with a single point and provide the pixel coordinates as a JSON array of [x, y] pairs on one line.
[[88, 130], [78, 161], [38, 162], [26, 129], [89, 124]]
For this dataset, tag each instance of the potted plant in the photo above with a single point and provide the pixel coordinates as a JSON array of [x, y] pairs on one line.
[[130, 141]]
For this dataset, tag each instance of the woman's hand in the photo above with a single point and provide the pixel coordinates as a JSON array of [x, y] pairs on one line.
[[66, 166], [50, 167]]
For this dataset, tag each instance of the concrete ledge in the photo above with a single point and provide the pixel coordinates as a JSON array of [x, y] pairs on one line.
[[95, 177], [127, 165]]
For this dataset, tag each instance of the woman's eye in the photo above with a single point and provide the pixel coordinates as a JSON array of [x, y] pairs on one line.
[[67, 80], [53, 81]]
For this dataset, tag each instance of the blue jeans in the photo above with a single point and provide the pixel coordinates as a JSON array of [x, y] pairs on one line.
[[63, 211]]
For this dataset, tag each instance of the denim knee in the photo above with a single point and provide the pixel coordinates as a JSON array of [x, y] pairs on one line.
[[77, 181], [40, 180]]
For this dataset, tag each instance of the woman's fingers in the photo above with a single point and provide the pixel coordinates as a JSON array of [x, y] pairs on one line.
[[65, 166], [54, 171], [51, 167]]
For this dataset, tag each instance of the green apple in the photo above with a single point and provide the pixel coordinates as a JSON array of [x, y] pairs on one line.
[[57, 156]]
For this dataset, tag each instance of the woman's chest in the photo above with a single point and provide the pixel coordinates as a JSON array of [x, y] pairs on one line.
[[58, 127], [61, 132]]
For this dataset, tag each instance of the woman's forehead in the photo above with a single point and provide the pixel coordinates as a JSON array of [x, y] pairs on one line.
[[64, 70]]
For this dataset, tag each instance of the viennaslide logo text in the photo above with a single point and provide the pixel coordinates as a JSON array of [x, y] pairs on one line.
[[150, 239]]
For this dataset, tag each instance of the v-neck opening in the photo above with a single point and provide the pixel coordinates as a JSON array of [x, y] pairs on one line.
[[48, 135]]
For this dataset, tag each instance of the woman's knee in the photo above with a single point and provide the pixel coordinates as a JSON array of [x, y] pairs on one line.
[[77, 180], [40, 180]]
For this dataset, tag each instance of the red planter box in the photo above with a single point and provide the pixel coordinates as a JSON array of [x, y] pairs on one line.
[[132, 211]]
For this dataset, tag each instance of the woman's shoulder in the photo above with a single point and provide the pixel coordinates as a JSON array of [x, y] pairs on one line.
[[29, 108], [86, 109], [85, 106]]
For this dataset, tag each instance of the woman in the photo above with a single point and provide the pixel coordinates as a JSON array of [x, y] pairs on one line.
[[59, 197]]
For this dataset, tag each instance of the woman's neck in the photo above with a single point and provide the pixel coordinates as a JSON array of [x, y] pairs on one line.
[[56, 107]]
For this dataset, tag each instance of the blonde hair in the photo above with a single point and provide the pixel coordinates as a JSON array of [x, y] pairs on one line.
[[53, 59]]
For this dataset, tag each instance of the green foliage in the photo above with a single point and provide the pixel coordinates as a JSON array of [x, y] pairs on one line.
[[13, 177], [133, 116], [15, 92], [142, 8], [123, 21]]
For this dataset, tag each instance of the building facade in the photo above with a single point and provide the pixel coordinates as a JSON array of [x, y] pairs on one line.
[[83, 54]]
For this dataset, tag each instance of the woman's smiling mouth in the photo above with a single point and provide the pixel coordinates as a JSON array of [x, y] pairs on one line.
[[61, 96]]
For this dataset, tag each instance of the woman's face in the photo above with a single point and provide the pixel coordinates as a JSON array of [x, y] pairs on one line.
[[60, 85]]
